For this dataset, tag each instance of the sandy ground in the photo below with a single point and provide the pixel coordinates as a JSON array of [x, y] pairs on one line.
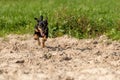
[[64, 58]]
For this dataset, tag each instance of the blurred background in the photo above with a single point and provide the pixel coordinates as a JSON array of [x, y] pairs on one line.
[[77, 18]]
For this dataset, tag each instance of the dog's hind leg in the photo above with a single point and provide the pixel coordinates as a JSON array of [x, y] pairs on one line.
[[39, 43], [43, 42]]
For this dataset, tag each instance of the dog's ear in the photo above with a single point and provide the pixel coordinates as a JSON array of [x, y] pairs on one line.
[[36, 19], [46, 21], [41, 18]]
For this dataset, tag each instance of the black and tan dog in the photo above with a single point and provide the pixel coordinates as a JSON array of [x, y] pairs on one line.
[[41, 30]]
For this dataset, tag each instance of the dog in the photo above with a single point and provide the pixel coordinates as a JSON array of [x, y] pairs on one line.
[[41, 30]]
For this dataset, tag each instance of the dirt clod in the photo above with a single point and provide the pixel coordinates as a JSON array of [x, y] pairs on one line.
[[20, 61]]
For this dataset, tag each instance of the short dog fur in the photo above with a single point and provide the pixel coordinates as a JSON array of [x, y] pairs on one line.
[[41, 30]]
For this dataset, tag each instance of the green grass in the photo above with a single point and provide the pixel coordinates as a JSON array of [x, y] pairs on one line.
[[78, 18]]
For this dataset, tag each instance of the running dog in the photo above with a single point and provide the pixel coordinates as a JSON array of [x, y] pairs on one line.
[[41, 30]]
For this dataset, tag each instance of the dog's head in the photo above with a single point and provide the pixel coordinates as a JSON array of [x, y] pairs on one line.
[[41, 25]]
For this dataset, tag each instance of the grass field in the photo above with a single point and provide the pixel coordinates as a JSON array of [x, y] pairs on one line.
[[78, 18]]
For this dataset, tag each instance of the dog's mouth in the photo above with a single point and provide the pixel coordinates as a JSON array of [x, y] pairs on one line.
[[41, 32]]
